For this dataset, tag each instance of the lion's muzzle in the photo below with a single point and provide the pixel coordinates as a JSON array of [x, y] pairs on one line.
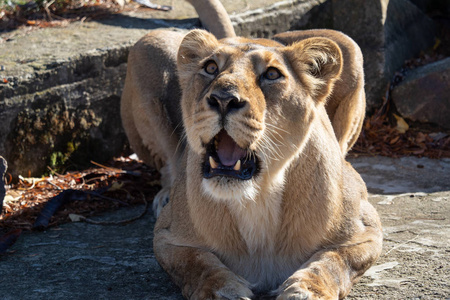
[[225, 158]]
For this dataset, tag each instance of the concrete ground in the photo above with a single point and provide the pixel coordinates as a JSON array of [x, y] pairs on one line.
[[82, 261]]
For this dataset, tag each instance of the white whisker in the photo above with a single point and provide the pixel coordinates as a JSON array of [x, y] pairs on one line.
[[277, 128]]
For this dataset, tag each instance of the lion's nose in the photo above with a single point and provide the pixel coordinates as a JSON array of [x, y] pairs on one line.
[[225, 102]]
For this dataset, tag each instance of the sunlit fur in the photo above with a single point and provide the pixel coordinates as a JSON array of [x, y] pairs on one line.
[[301, 226]]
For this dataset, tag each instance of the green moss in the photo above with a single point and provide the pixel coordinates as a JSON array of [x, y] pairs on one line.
[[59, 135], [58, 160]]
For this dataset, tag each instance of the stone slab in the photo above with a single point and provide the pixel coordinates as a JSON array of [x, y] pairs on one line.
[[82, 261], [388, 32], [51, 74], [424, 94]]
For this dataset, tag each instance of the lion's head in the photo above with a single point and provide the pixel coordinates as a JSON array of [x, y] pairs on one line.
[[248, 106]]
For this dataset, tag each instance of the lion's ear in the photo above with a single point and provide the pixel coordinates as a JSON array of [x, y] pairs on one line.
[[195, 46], [318, 63]]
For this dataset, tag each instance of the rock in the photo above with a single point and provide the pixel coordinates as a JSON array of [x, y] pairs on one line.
[[388, 32], [56, 121], [430, 6], [3, 167], [59, 100], [424, 95], [281, 16]]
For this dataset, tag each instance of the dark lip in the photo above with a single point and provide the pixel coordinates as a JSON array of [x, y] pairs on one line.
[[249, 166]]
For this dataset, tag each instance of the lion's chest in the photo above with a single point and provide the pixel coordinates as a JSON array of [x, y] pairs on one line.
[[265, 269], [258, 221], [264, 265]]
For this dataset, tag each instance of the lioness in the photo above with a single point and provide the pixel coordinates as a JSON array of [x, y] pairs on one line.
[[250, 137], [262, 199]]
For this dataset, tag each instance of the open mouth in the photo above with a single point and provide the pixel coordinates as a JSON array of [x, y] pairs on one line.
[[225, 158]]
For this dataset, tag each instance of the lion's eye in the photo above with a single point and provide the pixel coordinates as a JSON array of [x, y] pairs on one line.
[[211, 67], [272, 74]]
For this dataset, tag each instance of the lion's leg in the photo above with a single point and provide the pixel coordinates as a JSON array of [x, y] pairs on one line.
[[147, 139], [162, 198], [198, 272], [133, 135], [150, 93], [330, 274]]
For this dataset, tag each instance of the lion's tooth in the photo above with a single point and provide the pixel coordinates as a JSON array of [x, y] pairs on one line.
[[213, 163], [237, 166]]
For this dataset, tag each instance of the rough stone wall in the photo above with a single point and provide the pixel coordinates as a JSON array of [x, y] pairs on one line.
[[279, 17], [63, 112], [59, 100], [388, 32]]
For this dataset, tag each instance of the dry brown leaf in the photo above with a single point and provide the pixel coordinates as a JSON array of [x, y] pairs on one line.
[[402, 126]]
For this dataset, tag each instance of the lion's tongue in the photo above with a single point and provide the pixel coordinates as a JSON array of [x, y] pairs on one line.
[[228, 151]]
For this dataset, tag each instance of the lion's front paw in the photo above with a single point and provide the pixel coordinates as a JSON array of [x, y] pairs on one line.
[[295, 292], [228, 293], [230, 287], [307, 285]]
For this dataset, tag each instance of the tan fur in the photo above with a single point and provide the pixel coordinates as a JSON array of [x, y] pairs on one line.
[[347, 103], [151, 88], [302, 227], [214, 17]]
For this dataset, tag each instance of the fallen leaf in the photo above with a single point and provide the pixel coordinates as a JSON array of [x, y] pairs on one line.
[[402, 126], [116, 186], [394, 140], [13, 195], [420, 138], [437, 44], [76, 218], [419, 151], [30, 180]]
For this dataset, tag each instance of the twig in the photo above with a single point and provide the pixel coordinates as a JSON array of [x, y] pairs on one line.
[[33, 183], [106, 167], [49, 14], [90, 221], [51, 183], [48, 167], [105, 197], [402, 244], [119, 171], [151, 5]]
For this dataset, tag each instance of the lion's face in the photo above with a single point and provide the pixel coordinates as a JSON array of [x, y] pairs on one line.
[[248, 106]]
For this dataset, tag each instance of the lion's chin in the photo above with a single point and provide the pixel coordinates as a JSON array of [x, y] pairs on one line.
[[226, 189]]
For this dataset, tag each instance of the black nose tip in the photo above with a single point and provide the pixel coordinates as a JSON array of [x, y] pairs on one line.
[[225, 102]]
